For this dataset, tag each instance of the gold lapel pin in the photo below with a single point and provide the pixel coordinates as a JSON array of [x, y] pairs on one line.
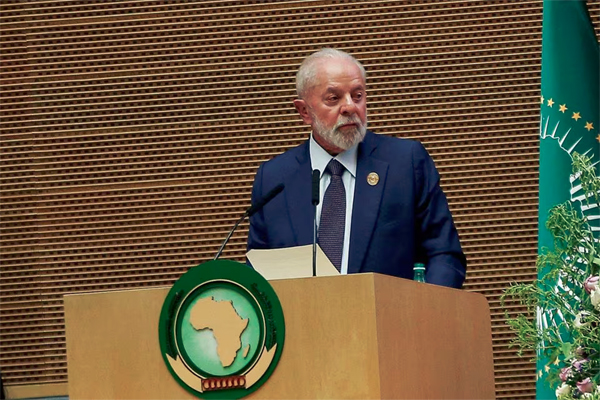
[[373, 178]]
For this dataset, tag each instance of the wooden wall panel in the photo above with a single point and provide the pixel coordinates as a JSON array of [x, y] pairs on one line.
[[131, 131]]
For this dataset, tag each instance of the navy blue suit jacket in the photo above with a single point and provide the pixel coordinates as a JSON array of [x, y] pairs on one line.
[[401, 220]]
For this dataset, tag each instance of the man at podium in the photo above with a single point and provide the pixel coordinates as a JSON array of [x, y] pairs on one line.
[[381, 207]]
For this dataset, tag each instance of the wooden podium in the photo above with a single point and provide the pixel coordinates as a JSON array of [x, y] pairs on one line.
[[363, 336]]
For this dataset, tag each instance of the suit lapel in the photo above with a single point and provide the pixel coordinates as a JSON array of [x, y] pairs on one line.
[[298, 198], [367, 199]]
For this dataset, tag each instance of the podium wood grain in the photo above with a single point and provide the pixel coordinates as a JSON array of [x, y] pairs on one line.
[[355, 337]]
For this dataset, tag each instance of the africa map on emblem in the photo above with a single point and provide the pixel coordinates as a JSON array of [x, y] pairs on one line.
[[221, 332]]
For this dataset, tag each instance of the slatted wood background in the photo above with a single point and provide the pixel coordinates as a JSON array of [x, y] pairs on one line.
[[131, 131]]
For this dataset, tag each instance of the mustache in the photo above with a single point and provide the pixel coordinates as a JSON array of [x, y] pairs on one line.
[[348, 120]]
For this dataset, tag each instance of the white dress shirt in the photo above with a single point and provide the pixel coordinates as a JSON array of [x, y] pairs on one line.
[[319, 159]]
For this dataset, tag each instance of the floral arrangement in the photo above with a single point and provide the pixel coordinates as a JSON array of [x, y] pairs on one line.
[[562, 319]]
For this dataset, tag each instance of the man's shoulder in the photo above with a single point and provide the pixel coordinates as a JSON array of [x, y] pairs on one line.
[[393, 147], [287, 159]]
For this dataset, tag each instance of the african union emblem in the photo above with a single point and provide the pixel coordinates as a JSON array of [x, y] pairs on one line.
[[221, 330]]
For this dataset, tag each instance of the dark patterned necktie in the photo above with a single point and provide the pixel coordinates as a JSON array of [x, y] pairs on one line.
[[333, 215]]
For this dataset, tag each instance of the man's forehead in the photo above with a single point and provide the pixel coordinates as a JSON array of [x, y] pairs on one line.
[[333, 65], [335, 86], [331, 71]]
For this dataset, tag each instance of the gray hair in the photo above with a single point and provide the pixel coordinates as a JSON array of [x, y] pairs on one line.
[[307, 72]]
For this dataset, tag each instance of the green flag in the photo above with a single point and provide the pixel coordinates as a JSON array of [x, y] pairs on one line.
[[569, 120]]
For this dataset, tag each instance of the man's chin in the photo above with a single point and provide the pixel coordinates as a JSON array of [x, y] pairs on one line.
[[346, 141], [343, 138], [351, 137]]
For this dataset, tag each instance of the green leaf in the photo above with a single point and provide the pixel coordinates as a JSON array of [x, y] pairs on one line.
[[566, 349]]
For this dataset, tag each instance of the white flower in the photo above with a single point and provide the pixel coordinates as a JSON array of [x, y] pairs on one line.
[[579, 318], [563, 390], [595, 297]]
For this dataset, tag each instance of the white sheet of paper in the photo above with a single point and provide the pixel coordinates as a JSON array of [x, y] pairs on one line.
[[290, 262]]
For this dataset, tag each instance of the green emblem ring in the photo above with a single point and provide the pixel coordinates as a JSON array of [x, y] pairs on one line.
[[221, 330]]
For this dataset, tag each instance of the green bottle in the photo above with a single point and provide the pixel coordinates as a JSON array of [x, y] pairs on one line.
[[419, 270]]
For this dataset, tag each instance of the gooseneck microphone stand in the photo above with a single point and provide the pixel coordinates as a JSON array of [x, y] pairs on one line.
[[316, 176], [250, 211]]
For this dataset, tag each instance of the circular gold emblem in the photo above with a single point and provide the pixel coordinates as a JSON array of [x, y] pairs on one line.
[[373, 178]]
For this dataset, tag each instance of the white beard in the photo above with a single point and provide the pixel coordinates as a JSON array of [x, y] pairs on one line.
[[339, 139]]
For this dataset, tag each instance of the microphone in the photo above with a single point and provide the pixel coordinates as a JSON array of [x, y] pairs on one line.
[[262, 202], [251, 211], [316, 177]]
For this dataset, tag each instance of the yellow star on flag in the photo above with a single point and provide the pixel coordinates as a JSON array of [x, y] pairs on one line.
[[589, 126], [541, 99], [550, 102], [562, 108], [576, 116], [598, 137]]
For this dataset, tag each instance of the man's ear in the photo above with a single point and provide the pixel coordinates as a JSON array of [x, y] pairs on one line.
[[302, 109]]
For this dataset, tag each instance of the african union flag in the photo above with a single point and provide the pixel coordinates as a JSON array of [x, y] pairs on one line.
[[569, 121]]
